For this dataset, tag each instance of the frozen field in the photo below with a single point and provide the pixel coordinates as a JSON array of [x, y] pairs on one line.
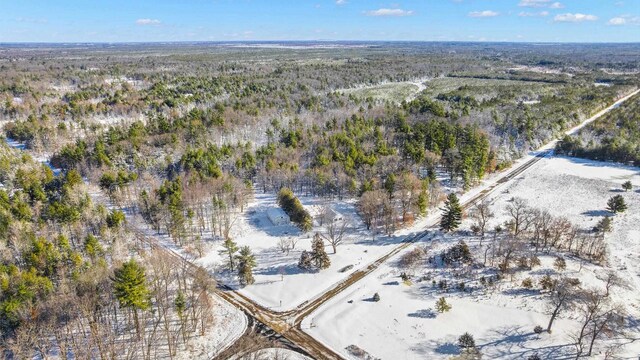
[[392, 91], [401, 325], [280, 284]]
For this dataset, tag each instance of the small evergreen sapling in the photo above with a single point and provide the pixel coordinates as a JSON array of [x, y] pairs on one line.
[[604, 225], [306, 261], [466, 341], [442, 306]]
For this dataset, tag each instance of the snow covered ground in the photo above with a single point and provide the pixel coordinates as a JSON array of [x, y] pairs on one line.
[[229, 324], [279, 283], [402, 325], [278, 278]]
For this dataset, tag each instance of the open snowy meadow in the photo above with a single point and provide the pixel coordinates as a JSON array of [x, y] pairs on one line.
[[404, 324]]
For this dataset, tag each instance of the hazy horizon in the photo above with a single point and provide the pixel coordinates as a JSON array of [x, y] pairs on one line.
[[549, 21]]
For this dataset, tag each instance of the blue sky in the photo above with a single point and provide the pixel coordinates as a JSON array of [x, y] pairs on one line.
[[237, 20]]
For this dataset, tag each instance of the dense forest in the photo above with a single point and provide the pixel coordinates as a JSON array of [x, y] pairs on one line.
[[60, 247], [615, 137]]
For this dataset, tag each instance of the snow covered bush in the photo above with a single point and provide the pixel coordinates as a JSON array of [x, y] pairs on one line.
[[538, 329]]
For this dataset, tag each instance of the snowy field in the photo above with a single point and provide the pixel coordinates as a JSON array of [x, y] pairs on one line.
[[389, 91], [403, 324], [279, 283], [278, 278]]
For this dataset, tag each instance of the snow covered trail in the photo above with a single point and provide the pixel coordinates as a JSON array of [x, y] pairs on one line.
[[420, 83]]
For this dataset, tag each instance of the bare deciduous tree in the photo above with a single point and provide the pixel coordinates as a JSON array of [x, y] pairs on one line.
[[561, 297], [407, 190], [600, 318], [370, 205], [285, 245], [520, 215], [481, 213], [335, 232]]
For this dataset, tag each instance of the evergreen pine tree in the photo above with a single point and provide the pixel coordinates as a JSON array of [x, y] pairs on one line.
[[246, 263], [180, 303], [130, 288], [306, 261], [466, 341], [229, 249], [627, 185], [423, 202], [245, 275], [604, 225], [616, 204], [320, 257], [452, 214]]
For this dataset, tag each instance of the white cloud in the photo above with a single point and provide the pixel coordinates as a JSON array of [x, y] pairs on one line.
[[568, 17], [534, 3], [341, 2], [541, 3], [624, 20], [617, 21], [531, 14], [485, 13], [148, 22], [389, 12]]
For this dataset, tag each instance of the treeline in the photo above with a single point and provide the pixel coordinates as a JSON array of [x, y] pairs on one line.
[[529, 231], [613, 137], [294, 208], [335, 159]]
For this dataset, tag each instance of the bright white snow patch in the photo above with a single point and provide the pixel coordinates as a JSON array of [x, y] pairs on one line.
[[403, 326]]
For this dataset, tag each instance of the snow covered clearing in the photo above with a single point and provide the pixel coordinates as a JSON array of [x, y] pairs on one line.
[[280, 284], [501, 317], [389, 91]]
